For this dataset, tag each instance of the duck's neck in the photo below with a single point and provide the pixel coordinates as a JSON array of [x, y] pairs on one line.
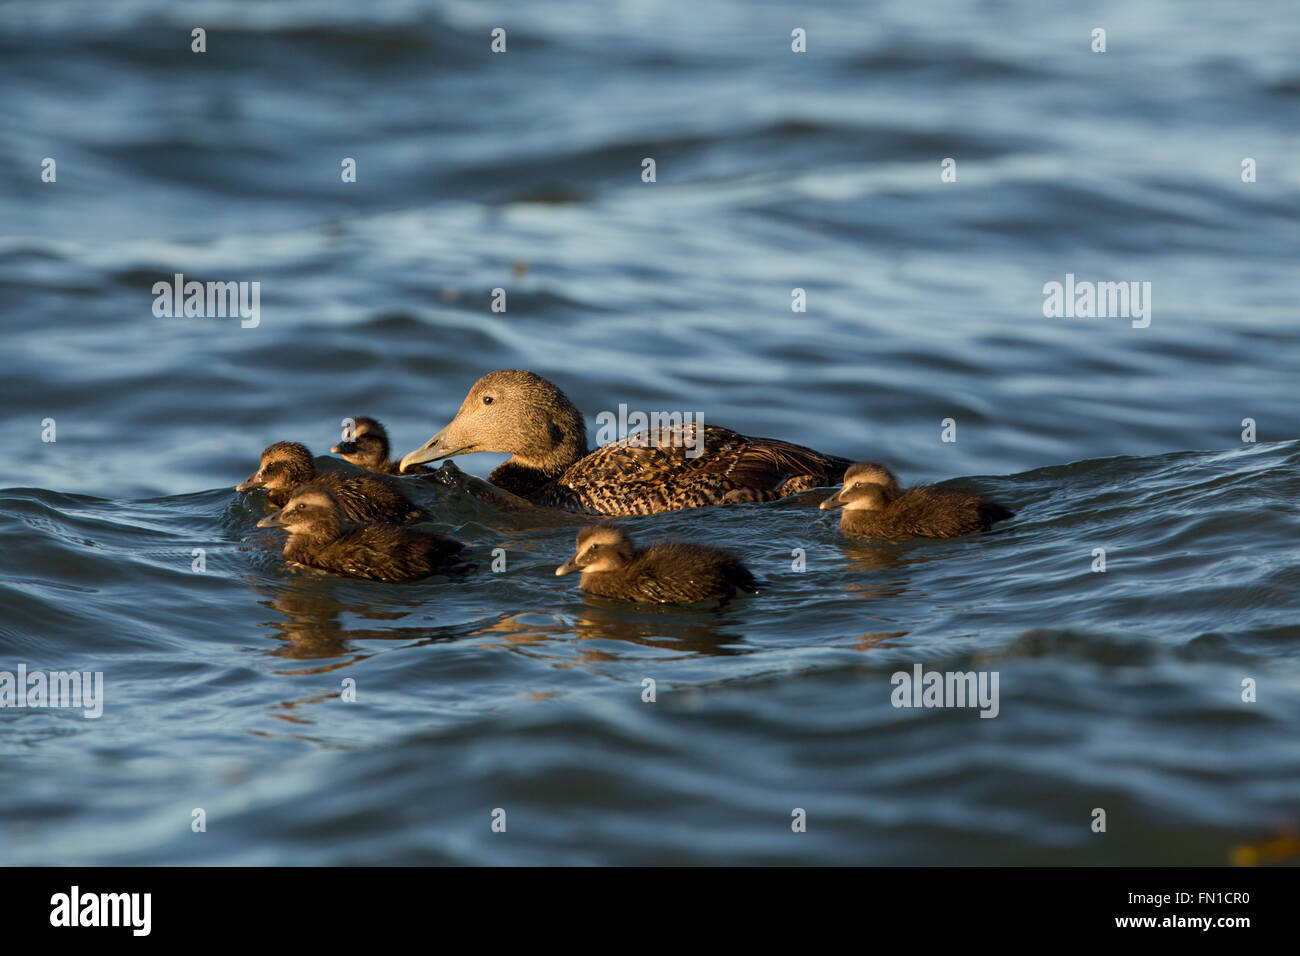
[[522, 480], [563, 445]]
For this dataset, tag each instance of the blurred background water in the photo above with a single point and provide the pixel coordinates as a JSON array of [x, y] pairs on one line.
[[775, 170]]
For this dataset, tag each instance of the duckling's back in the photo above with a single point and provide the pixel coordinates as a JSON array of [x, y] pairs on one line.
[[381, 552], [366, 498], [928, 512], [672, 572]]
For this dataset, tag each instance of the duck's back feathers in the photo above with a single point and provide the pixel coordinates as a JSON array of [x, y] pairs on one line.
[[660, 470]]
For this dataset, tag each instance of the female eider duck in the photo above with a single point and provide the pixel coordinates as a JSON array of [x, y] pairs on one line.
[[668, 572], [661, 469], [369, 449], [287, 465], [874, 507], [321, 536]]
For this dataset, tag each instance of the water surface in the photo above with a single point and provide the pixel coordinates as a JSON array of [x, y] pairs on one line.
[[775, 171]]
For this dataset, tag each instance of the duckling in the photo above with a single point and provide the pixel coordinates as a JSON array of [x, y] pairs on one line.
[[667, 572], [369, 449], [321, 536], [662, 469], [286, 465], [874, 508]]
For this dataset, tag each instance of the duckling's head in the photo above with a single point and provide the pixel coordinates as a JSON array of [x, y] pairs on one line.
[[312, 511], [285, 465], [513, 412], [871, 473], [867, 486], [369, 445], [602, 547]]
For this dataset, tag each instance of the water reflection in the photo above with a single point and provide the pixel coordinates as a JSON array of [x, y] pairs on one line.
[[316, 625], [685, 631], [704, 632]]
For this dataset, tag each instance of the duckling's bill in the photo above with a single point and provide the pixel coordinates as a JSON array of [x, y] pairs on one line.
[[833, 502], [251, 483], [275, 520]]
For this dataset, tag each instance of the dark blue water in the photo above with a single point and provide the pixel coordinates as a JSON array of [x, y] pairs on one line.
[[1119, 690]]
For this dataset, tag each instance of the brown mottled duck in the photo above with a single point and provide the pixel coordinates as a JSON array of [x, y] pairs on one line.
[[661, 469]]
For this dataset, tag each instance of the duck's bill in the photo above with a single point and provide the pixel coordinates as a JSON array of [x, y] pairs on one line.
[[568, 567], [833, 502], [435, 449], [273, 521], [250, 483], [344, 448]]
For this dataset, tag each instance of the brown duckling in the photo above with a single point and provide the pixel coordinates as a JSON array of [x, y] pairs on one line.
[[321, 536], [667, 572], [874, 507], [287, 465], [662, 469], [369, 449]]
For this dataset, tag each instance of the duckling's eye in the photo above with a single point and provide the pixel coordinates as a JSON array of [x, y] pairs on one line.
[[487, 399], [301, 505]]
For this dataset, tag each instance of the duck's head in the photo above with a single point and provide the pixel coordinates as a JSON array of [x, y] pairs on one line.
[[312, 510], [368, 447], [285, 465], [867, 486], [602, 547], [512, 412]]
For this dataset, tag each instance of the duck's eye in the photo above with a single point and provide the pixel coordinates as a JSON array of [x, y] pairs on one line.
[[301, 505], [487, 399]]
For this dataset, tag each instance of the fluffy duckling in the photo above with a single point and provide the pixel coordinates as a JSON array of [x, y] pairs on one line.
[[287, 465], [321, 536], [661, 469], [668, 572], [369, 449], [874, 507]]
